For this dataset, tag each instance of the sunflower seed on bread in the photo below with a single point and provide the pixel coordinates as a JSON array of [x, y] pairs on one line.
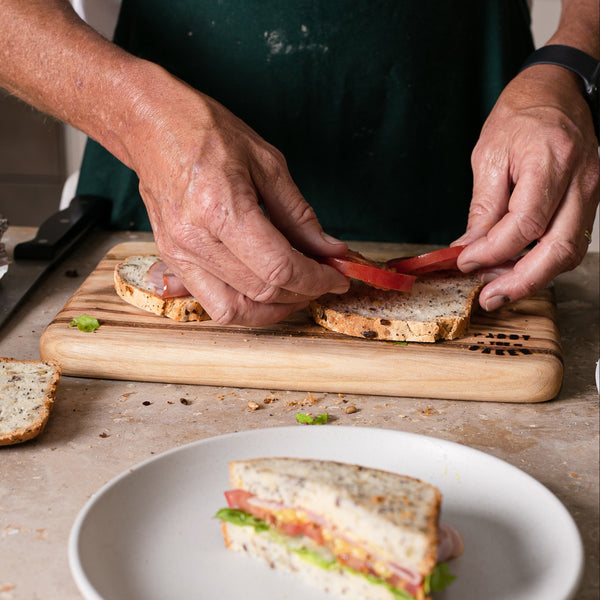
[[27, 392], [438, 307], [132, 286]]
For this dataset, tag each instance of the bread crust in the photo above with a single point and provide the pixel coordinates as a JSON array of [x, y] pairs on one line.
[[179, 309], [28, 391], [438, 308]]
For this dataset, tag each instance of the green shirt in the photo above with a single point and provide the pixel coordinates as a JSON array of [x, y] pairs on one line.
[[375, 104]]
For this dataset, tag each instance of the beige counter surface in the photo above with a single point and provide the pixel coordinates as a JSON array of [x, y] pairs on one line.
[[100, 428]]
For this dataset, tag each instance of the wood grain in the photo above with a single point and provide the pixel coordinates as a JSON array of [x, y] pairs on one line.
[[512, 355]]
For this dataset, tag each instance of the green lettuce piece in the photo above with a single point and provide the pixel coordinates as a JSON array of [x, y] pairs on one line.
[[309, 420], [239, 517], [85, 323], [315, 558], [440, 579]]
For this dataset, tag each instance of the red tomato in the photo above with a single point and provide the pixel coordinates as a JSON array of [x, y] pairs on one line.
[[238, 499], [438, 260], [356, 266]]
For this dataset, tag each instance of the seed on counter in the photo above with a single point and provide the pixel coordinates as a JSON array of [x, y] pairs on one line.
[[185, 401], [252, 405], [104, 434], [350, 409], [146, 403]]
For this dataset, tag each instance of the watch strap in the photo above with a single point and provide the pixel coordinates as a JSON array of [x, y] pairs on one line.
[[582, 64]]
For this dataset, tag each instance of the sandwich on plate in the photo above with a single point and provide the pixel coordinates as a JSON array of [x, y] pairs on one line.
[[353, 531]]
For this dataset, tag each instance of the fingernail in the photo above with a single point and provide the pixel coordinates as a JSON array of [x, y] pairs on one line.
[[471, 266], [460, 240], [330, 239], [340, 289], [487, 276], [496, 302]]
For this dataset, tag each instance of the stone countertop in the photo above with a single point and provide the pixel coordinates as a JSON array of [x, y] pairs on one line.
[[100, 428]]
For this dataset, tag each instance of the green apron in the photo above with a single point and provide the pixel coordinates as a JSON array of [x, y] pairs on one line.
[[376, 104]]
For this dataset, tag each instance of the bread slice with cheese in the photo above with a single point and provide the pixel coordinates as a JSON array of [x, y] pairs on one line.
[[27, 393], [354, 531], [438, 307], [131, 284]]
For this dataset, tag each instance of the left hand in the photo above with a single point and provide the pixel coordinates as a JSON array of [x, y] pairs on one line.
[[536, 176]]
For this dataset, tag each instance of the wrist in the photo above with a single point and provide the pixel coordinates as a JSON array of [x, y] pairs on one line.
[[584, 69]]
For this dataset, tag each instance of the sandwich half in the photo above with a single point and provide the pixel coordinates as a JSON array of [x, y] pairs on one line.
[[353, 531]]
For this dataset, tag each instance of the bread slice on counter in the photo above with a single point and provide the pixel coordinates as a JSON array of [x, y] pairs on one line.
[[439, 307], [27, 392], [131, 286]]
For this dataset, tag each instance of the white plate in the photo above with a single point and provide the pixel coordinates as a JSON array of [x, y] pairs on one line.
[[150, 533]]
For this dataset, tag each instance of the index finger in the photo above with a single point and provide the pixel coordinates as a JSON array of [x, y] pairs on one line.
[[532, 204]]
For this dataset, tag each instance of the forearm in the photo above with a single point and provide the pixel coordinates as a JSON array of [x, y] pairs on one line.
[[579, 26], [55, 62]]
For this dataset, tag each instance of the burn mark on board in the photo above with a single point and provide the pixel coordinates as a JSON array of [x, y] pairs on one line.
[[501, 344]]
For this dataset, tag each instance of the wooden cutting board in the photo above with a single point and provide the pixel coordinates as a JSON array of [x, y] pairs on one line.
[[512, 355]]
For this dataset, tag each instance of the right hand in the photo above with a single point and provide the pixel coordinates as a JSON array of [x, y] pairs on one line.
[[204, 176]]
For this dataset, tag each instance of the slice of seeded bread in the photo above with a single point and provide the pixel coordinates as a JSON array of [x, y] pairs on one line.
[[438, 307], [27, 392], [131, 286]]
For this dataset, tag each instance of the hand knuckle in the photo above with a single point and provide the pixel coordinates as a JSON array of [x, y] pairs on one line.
[[566, 254], [281, 274], [265, 294], [530, 227], [224, 314]]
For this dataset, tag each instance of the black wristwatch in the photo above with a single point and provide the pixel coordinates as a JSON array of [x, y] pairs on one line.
[[584, 65]]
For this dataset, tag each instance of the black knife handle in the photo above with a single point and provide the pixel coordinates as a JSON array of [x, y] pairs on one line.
[[62, 229]]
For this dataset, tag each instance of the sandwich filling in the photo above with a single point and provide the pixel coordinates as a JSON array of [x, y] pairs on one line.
[[316, 540]]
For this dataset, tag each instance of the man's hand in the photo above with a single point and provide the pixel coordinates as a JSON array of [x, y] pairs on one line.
[[226, 214], [536, 181], [205, 176]]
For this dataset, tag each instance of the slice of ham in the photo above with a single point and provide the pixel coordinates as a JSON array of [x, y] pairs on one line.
[[163, 282], [451, 543]]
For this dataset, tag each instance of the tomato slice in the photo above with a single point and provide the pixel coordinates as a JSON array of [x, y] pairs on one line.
[[238, 499], [356, 266], [438, 260]]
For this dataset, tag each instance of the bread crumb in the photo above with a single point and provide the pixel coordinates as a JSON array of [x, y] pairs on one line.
[[309, 400], [252, 405], [350, 409]]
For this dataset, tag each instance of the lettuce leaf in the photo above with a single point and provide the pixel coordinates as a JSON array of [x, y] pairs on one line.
[[310, 420], [85, 323], [440, 579], [239, 517]]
